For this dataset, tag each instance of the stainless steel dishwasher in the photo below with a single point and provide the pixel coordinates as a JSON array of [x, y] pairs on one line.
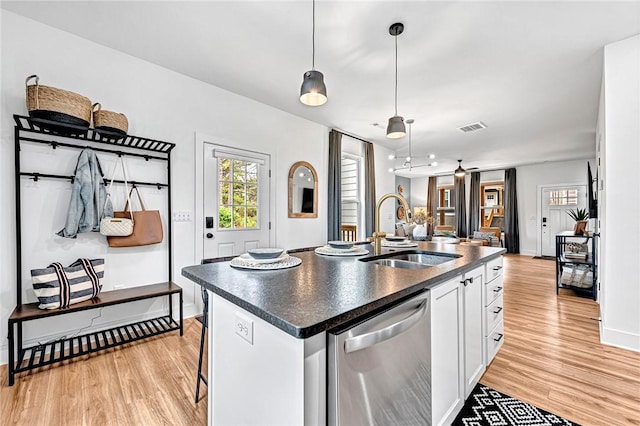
[[379, 369]]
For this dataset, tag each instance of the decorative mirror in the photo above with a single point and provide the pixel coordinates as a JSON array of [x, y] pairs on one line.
[[303, 190]]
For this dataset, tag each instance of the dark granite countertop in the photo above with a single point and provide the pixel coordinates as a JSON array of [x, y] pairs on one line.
[[327, 291]]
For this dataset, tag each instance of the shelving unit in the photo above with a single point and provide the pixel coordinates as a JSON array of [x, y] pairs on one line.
[[53, 134], [583, 266]]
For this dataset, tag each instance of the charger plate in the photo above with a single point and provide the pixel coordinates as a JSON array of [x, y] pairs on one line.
[[402, 244], [283, 262], [353, 251]]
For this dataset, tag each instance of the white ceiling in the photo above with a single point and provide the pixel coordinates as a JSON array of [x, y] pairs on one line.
[[530, 70]]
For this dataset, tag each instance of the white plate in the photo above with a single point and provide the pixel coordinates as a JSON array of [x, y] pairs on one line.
[[330, 251], [248, 258], [399, 244]]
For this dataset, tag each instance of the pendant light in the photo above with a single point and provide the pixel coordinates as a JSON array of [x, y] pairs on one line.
[[313, 91], [459, 171], [395, 128]]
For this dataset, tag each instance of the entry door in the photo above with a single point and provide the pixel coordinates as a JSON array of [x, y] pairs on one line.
[[236, 200], [556, 201]]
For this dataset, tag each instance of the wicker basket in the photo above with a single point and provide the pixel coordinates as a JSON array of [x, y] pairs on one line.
[[109, 121], [57, 104]]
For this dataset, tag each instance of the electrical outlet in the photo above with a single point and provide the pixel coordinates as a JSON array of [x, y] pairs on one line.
[[182, 216], [244, 327]]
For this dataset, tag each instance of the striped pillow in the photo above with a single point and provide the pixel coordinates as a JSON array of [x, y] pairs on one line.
[[58, 287]]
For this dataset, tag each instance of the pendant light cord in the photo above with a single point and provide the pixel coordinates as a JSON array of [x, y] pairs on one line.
[[410, 156], [396, 91], [313, 38]]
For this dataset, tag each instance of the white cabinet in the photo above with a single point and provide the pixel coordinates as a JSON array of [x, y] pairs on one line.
[[473, 307], [447, 364], [493, 309]]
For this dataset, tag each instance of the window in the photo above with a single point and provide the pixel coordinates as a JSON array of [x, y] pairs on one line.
[[446, 207], [238, 189], [563, 197], [350, 193]]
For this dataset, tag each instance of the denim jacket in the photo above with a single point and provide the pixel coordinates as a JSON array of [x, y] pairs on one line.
[[87, 197]]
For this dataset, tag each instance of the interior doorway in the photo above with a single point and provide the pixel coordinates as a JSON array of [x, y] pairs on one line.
[[555, 202]]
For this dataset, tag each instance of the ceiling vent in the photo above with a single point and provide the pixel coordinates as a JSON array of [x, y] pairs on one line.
[[472, 127]]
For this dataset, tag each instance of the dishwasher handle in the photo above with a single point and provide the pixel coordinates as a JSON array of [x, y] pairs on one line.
[[372, 338]]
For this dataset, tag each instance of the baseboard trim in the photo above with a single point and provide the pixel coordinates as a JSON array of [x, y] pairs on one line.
[[620, 339]]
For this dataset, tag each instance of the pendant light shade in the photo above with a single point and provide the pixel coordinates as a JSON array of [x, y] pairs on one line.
[[313, 91], [459, 171], [395, 128]]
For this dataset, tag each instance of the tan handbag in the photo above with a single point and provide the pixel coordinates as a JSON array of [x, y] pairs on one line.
[[147, 228]]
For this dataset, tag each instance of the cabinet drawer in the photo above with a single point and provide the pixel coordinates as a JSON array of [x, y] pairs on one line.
[[493, 290], [493, 269], [495, 340], [493, 314]]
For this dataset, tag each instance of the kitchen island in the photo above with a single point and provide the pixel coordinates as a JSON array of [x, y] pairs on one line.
[[268, 333]]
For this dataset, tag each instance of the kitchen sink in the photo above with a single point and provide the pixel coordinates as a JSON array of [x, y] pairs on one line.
[[398, 263], [412, 259]]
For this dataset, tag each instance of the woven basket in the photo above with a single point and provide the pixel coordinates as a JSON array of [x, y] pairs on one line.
[[108, 120], [57, 104]]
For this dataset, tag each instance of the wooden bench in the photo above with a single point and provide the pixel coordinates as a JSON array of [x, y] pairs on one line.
[[66, 348]]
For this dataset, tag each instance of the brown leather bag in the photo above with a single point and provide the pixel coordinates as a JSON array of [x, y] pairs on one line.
[[147, 226]]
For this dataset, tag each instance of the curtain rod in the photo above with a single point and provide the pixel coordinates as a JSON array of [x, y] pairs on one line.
[[352, 136]]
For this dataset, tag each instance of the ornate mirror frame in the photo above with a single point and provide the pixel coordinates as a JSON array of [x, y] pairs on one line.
[[292, 174]]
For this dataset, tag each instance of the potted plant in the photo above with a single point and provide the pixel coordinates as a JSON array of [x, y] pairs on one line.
[[580, 216]]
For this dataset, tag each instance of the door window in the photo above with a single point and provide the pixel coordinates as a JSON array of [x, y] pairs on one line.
[[238, 191]]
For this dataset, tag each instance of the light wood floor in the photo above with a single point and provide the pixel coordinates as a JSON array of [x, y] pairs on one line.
[[551, 358]]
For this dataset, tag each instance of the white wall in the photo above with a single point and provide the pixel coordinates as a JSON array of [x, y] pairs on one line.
[[385, 183], [160, 104], [528, 180], [620, 227]]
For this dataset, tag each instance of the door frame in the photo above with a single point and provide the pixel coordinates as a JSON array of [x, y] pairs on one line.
[[539, 210], [200, 140]]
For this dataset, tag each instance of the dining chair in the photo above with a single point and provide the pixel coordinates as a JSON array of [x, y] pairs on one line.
[[204, 319]]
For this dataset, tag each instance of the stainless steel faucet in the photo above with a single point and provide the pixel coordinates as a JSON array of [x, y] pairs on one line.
[[377, 235]]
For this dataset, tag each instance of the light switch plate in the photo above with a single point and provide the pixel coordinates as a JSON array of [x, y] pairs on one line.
[[182, 216]]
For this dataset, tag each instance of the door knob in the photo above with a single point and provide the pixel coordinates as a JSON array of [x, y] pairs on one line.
[[209, 235]]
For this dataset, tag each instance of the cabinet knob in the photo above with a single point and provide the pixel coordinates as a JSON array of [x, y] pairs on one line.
[[497, 311], [497, 289], [497, 268], [500, 336]]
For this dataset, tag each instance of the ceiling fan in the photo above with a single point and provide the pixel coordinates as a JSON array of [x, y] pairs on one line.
[[459, 172]]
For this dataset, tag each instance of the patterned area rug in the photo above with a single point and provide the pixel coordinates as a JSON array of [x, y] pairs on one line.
[[488, 407]]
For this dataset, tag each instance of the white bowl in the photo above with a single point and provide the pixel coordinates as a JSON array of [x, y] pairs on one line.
[[340, 245], [265, 253]]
